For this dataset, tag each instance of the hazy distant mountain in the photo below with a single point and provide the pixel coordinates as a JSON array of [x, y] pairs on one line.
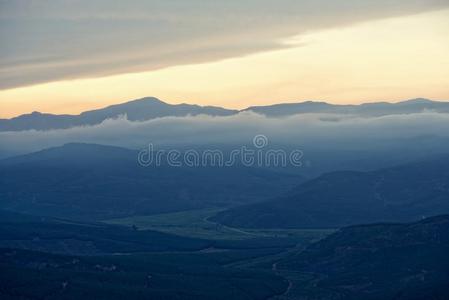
[[379, 261], [85, 181], [150, 108], [77, 155], [338, 199], [137, 110], [368, 109]]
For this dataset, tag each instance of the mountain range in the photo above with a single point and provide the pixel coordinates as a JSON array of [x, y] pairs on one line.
[[136, 110], [150, 108], [366, 109], [94, 182]]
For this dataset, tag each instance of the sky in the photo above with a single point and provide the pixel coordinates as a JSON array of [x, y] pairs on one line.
[[68, 56]]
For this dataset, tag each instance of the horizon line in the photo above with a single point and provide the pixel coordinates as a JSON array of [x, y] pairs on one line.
[[227, 108]]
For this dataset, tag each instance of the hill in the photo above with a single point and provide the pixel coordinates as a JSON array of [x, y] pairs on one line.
[[403, 193], [92, 182], [379, 261]]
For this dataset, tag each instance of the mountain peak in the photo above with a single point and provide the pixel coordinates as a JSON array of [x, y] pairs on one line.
[[146, 100], [418, 101]]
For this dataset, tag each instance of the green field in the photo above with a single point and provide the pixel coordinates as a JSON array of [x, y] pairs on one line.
[[58, 259], [45, 258], [195, 223]]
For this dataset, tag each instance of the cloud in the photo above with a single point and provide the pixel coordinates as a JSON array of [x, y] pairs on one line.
[[326, 131], [53, 40]]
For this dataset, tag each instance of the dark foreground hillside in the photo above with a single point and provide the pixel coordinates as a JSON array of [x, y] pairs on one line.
[[46, 258], [34, 275], [96, 261], [380, 261]]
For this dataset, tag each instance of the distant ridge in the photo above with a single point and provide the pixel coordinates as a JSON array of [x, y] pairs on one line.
[[150, 108], [137, 110], [366, 109]]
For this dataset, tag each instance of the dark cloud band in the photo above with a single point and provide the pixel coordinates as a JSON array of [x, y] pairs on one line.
[[44, 41]]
